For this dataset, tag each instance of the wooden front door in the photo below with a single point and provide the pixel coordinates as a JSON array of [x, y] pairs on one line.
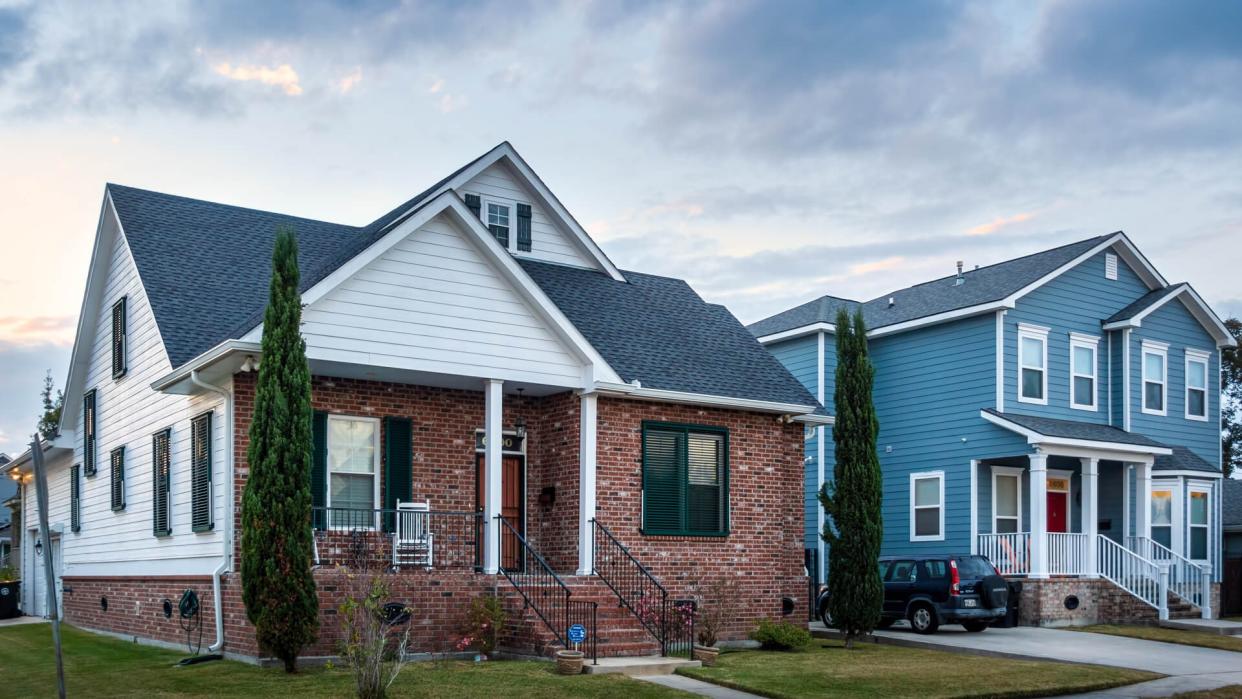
[[512, 505], [1058, 515]]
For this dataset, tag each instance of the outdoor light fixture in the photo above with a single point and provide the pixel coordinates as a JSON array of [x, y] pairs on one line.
[[38, 548], [519, 427]]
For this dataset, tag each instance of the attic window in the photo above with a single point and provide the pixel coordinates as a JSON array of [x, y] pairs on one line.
[[498, 222], [1110, 266]]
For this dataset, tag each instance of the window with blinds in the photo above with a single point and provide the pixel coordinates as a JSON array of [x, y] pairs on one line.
[[118, 339], [161, 477], [88, 432], [200, 473], [118, 479], [685, 480]]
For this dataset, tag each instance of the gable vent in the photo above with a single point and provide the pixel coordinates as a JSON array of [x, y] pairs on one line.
[[1110, 266]]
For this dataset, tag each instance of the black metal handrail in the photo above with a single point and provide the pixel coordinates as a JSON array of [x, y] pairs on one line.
[[640, 592], [366, 536], [545, 592]]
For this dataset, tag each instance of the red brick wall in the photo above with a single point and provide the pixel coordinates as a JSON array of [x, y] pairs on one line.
[[136, 605]]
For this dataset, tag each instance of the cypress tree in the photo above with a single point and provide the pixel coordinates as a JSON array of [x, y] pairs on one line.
[[853, 525], [278, 588]]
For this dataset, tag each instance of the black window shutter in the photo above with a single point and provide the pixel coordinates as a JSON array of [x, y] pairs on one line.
[[200, 473], [663, 483], [319, 467], [398, 464], [88, 432], [161, 467], [118, 339], [475, 204], [118, 479], [75, 498], [523, 227]]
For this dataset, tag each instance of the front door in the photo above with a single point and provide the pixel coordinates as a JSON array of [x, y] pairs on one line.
[[1058, 512], [512, 501]]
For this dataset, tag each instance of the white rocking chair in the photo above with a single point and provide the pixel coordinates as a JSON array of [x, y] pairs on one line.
[[413, 543]]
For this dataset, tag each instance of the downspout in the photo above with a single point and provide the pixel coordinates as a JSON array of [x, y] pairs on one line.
[[227, 531]]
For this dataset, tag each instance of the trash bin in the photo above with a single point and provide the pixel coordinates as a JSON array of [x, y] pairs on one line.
[[1010, 619], [10, 596]]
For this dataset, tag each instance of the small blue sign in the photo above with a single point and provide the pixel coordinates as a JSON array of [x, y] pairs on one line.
[[577, 633]]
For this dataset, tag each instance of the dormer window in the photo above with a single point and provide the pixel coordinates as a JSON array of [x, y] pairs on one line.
[[503, 217], [498, 222]]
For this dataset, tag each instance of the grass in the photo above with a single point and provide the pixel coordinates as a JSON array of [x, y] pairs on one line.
[[98, 666], [1157, 633], [871, 670], [1233, 691]]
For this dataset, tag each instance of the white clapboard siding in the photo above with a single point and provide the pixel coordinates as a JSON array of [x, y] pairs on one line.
[[435, 303], [549, 241], [129, 412]]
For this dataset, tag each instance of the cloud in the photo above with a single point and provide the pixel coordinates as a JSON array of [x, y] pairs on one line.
[[282, 76], [348, 82], [25, 331], [999, 223]]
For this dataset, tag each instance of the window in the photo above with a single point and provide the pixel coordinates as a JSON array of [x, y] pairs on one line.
[[1032, 364], [200, 473], [88, 432], [1196, 385], [1198, 522], [1155, 377], [935, 570], [353, 464], [161, 476], [927, 506], [1006, 500], [685, 480], [1162, 517], [1083, 367], [75, 498], [118, 479], [902, 571], [498, 222], [118, 339], [523, 227], [1110, 266]]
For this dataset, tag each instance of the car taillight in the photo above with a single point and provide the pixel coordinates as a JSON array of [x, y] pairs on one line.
[[956, 587]]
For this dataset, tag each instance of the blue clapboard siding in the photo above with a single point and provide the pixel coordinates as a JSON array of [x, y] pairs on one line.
[[800, 356], [1114, 344], [1111, 500], [1174, 324], [930, 385]]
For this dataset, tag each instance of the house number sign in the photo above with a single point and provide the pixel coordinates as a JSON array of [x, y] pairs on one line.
[[511, 442]]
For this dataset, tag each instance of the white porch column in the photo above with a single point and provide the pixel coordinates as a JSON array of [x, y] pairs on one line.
[[1090, 511], [586, 483], [492, 445], [1142, 497], [1038, 481]]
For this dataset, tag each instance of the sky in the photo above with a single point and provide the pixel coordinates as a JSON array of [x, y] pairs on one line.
[[767, 152]]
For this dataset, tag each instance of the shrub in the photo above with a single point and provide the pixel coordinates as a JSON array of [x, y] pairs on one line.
[[719, 601], [373, 648], [484, 620], [8, 574], [780, 635]]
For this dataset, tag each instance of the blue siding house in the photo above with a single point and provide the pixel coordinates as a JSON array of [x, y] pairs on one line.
[[1058, 413]]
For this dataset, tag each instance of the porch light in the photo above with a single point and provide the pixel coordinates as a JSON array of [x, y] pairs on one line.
[[519, 428], [39, 548]]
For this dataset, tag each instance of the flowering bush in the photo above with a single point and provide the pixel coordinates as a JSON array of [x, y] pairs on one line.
[[484, 620]]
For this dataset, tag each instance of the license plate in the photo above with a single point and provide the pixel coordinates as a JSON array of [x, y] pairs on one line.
[[970, 603]]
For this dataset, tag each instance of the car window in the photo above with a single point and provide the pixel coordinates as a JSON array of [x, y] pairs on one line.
[[884, 566], [936, 570], [902, 571], [974, 567]]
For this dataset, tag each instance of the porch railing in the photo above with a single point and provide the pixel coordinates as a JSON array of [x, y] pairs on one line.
[[1133, 573], [364, 538], [671, 623], [1187, 579], [1010, 553], [1067, 554], [546, 594]]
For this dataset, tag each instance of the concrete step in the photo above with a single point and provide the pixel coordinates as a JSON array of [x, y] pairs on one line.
[[1219, 627], [639, 665]]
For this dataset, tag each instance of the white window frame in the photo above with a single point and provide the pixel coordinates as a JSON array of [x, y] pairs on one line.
[[1004, 472], [376, 475], [485, 202], [1089, 342], [1033, 332], [1176, 492], [1191, 489], [926, 475], [1159, 349], [1194, 356]]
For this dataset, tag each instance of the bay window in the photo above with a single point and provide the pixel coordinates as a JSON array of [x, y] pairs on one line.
[[1198, 522]]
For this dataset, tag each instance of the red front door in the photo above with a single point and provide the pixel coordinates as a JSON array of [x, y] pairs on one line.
[[512, 487], [1058, 517]]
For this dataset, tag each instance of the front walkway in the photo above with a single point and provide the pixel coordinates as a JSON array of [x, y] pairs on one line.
[[20, 620]]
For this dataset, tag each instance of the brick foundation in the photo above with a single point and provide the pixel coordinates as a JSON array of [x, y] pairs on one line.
[[1099, 602]]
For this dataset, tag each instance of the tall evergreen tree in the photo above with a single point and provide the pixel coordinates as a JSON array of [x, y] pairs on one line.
[[278, 589], [853, 525]]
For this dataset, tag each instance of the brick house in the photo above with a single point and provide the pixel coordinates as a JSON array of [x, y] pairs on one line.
[[498, 408]]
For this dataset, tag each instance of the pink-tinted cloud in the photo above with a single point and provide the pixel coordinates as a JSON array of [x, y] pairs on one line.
[[999, 223], [24, 331], [282, 76]]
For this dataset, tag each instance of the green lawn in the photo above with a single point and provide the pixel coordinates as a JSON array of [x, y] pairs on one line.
[[97, 666], [1156, 633], [873, 670]]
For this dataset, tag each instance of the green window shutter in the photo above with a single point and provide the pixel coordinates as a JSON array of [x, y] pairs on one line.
[[685, 480], [118, 339], [319, 467], [88, 432], [398, 464], [664, 495], [523, 227], [75, 498], [118, 479], [475, 204], [200, 474], [161, 467]]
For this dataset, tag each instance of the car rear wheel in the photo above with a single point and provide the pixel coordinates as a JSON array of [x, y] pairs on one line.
[[824, 615], [923, 619], [975, 626]]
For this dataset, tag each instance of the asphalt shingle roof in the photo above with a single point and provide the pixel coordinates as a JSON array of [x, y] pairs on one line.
[[1183, 459], [1231, 503], [1072, 429], [980, 286], [1143, 302]]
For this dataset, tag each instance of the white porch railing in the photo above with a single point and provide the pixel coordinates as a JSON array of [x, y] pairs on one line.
[[1067, 554], [1134, 574], [1188, 580], [1010, 553]]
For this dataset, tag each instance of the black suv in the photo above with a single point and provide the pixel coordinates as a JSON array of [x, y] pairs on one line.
[[933, 590]]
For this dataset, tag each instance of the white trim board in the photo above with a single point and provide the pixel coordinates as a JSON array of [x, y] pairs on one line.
[[798, 332], [1193, 303], [927, 475]]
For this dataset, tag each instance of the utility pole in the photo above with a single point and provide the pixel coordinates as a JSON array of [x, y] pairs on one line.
[[40, 473]]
